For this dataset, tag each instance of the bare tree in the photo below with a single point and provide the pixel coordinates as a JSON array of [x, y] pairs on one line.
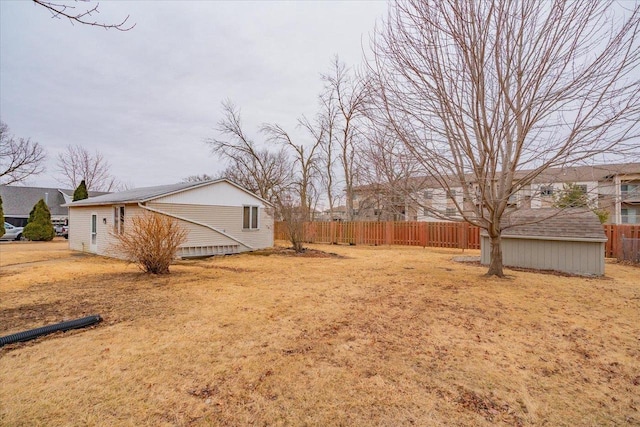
[[478, 91], [19, 157], [259, 170], [347, 93], [198, 178], [328, 116], [305, 158], [390, 176], [85, 17], [76, 163]]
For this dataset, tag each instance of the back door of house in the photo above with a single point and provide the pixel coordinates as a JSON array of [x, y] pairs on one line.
[[93, 245]]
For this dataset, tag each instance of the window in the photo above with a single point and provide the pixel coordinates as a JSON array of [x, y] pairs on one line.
[[582, 188], [450, 211], [428, 194], [630, 216], [250, 217], [118, 219], [451, 194], [629, 190], [546, 190]]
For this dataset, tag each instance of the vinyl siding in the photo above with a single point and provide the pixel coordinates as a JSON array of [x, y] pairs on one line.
[[583, 258], [220, 193], [80, 227], [227, 219]]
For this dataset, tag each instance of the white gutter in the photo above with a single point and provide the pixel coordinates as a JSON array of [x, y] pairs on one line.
[[193, 222]]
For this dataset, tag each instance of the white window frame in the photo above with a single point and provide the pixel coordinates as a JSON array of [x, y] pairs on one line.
[[119, 216], [253, 220]]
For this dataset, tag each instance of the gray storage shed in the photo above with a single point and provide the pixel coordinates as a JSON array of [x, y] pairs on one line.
[[567, 240]]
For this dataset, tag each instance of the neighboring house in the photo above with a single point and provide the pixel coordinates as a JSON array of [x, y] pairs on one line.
[[17, 202], [220, 217], [339, 213], [569, 240], [614, 188]]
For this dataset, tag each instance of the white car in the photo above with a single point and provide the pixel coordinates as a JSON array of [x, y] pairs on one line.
[[12, 232]]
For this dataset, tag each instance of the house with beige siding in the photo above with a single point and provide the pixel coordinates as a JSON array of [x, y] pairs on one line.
[[220, 217]]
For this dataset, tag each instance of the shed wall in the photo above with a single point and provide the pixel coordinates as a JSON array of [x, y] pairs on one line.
[[583, 258]]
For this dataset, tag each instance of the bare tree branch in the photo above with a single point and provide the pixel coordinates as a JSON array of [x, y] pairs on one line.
[[60, 10], [264, 172], [76, 164], [19, 158], [305, 157]]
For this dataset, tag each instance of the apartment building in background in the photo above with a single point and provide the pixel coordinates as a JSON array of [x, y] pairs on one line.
[[612, 187]]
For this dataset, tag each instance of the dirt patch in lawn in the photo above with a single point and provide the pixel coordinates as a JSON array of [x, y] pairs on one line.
[[305, 253], [377, 336]]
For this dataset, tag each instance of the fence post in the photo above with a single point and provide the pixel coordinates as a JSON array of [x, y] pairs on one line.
[[388, 233]]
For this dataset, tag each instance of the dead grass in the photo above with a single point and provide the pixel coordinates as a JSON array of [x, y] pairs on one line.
[[382, 336]]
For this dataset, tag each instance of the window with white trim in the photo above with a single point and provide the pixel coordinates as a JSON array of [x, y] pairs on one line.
[[250, 218], [118, 219]]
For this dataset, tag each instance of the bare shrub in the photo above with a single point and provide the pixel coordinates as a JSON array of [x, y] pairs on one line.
[[150, 241], [294, 218]]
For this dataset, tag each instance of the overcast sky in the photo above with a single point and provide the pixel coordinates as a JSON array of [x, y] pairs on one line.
[[148, 98]]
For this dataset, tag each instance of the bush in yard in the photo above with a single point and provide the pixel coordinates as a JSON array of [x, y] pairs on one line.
[[39, 227], [150, 241], [294, 218], [81, 192]]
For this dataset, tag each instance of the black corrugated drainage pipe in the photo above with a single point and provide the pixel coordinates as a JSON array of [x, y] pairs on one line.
[[62, 326]]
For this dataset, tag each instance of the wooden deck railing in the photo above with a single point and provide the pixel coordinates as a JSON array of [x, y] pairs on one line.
[[426, 234]]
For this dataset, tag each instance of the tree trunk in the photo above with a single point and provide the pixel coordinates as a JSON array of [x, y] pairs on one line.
[[495, 266]]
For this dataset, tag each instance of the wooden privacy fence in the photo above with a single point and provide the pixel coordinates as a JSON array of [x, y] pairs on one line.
[[417, 233], [408, 233], [615, 233]]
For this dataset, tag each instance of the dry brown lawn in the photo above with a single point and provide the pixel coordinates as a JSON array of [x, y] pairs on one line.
[[380, 336]]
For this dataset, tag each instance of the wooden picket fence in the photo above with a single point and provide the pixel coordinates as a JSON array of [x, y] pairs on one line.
[[426, 234]]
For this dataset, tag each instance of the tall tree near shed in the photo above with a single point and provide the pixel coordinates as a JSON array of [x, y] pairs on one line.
[[480, 90]]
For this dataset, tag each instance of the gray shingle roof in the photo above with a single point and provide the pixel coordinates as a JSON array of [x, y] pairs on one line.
[[137, 194], [573, 223], [587, 173], [17, 201]]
